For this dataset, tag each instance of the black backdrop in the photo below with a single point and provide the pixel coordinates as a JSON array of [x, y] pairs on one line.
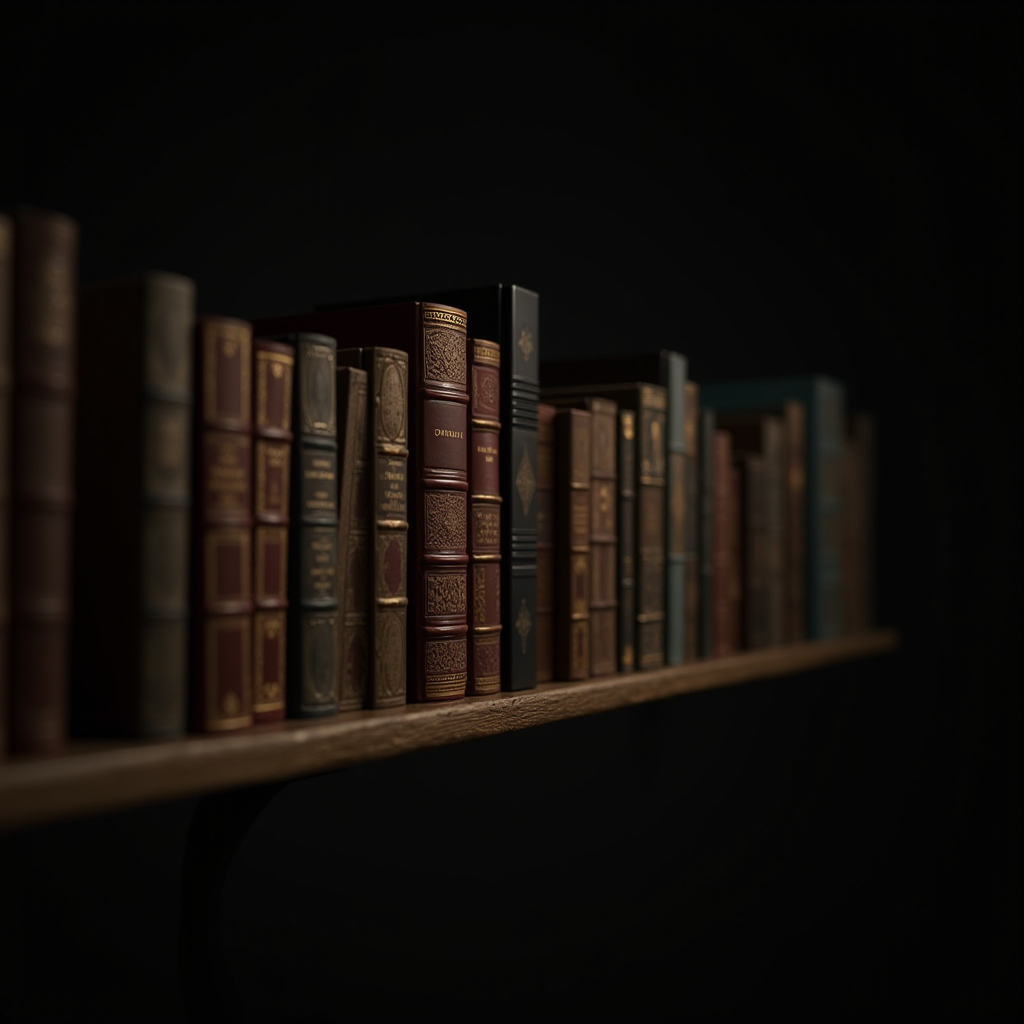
[[767, 187]]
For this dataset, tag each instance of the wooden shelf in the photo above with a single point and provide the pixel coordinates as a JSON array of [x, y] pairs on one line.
[[97, 776]]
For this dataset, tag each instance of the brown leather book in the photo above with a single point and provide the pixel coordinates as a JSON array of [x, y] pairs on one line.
[[723, 538], [42, 477], [545, 542], [753, 548], [272, 452], [379, 569], [691, 521], [734, 621], [572, 543], [222, 593], [626, 444], [434, 336], [794, 418], [6, 380], [484, 540], [136, 343]]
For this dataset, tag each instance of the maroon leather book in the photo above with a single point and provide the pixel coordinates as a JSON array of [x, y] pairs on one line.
[[572, 543], [222, 593], [484, 540], [6, 379], [434, 336], [723, 534], [274, 366], [133, 516], [42, 477], [545, 542]]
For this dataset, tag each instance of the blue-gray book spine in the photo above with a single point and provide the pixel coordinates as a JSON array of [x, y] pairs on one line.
[[824, 399]]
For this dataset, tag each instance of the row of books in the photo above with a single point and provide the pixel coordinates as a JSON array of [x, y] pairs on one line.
[[209, 522]]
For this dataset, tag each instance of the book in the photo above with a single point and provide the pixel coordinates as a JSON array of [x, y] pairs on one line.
[[762, 434], [668, 369], [6, 380], [312, 638], [222, 593], [723, 534], [734, 613], [545, 499], [824, 399], [604, 537], [572, 542], [794, 420], [434, 337], [485, 501], [135, 341], [274, 366], [42, 496], [648, 403], [377, 570], [752, 561], [691, 522], [709, 517], [626, 443], [508, 314]]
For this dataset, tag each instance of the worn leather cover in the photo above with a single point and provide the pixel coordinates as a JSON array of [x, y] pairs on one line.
[[135, 342], [434, 336], [272, 451], [380, 571], [6, 382], [222, 594], [724, 581], [485, 508], [572, 622], [708, 542], [545, 542], [42, 477], [691, 521], [626, 445]]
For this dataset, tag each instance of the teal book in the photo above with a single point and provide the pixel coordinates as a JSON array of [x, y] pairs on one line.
[[824, 399]]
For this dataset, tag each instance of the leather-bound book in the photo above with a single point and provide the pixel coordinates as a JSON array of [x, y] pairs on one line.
[[434, 337], [136, 343], [312, 684], [222, 594], [384, 505], [6, 380], [753, 548], [510, 315], [485, 505], [626, 444], [667, 369], [691, 521], [355, 578], [794, 420], [863, 433], [545, 542], [42, 477], [734, 624], [648, 402], [604, 537], [572, 543], [709, 517], [274, 368], [723, 533], [763, 434]]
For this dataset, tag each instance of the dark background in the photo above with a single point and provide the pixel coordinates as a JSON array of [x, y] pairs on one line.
[[766, 187]]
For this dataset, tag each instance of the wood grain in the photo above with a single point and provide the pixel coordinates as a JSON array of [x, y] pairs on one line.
[[98, 776]]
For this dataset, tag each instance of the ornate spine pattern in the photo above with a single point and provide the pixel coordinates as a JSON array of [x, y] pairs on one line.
[[627, 540], [272, 451], [222, 536], [485, 500], [650, 535], [545, 542]]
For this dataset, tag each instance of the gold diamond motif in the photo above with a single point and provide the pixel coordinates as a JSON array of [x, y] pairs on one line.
[[525, 343], [526, 482], [523, 623]]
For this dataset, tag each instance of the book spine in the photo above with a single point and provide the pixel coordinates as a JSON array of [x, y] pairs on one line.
[[691, 522], [521, 385], [272, 450], [572, 548], [674, 380], [312, 687], [222, 599], [650, 526], [708, 543], [484, 517], [775, 529], [42, 478], [734, 605], [827, 429], [388, 392], [794, 416], [354, 578], [723, 544], [604, 539], [545, 542], [755, 551], [6, 382], [627, 540], [440, 661]]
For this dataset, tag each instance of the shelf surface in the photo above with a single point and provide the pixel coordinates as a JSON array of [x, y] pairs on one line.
[[98, 776]]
